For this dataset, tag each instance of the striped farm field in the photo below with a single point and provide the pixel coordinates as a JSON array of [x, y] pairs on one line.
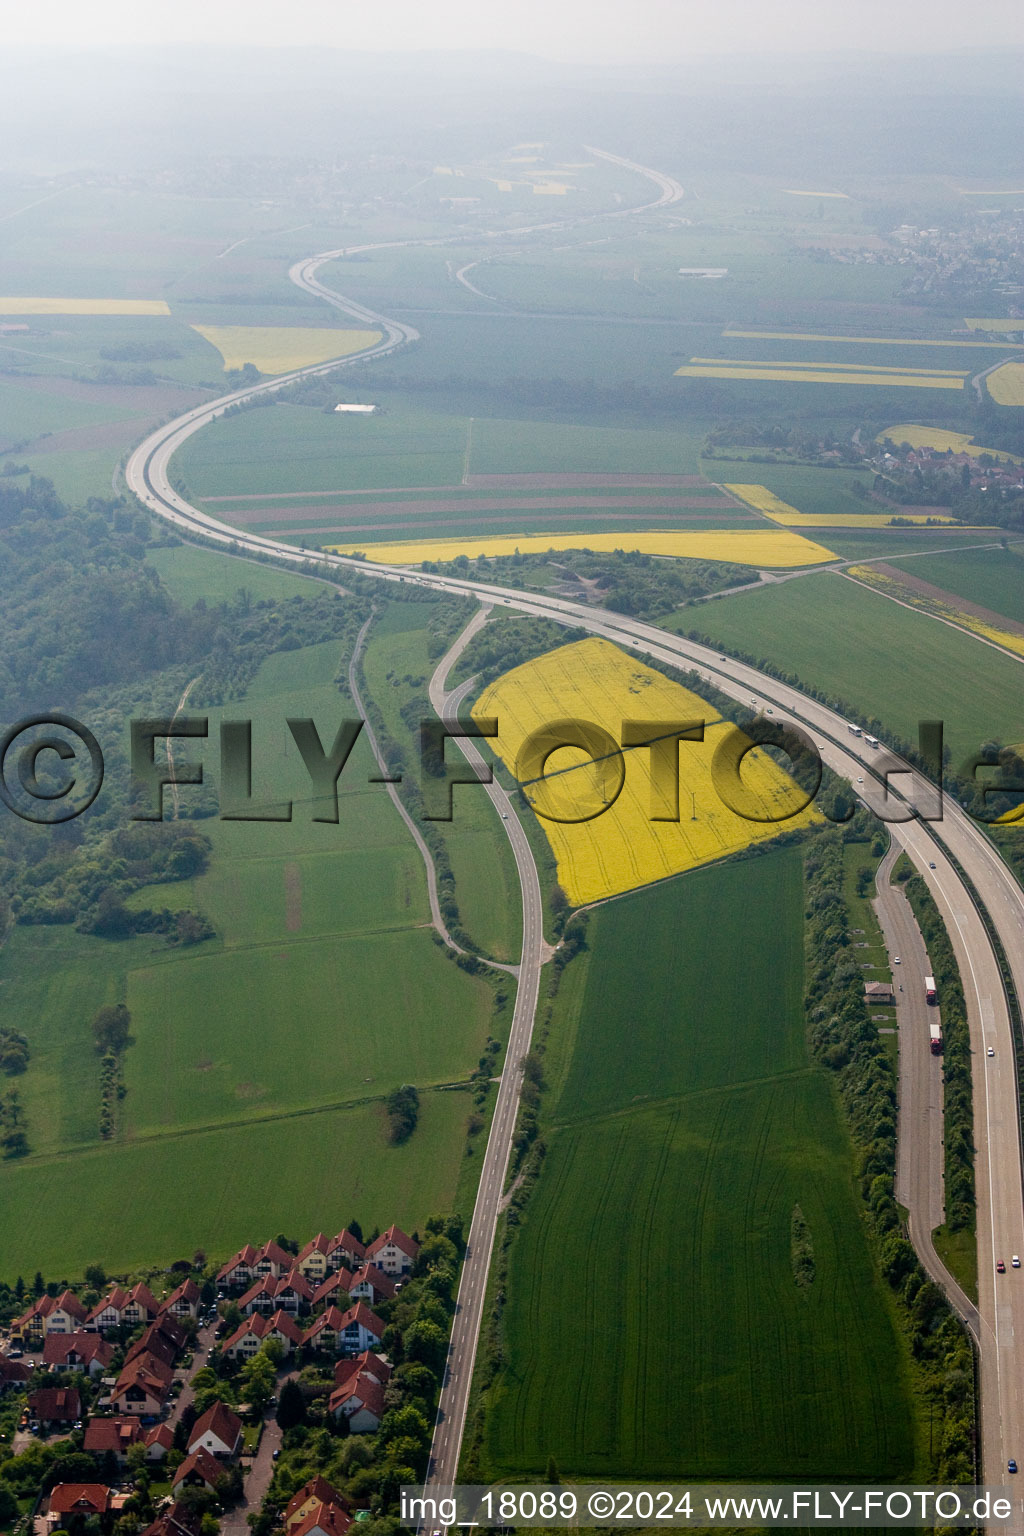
[[811, 374], [942, 440], [1006, 385], [995, 325], [772, 549], [832, 366], [890, 586], [652, 1326], [25, 306], [759, 497], [280, 348], [622, 847], [875, 341]]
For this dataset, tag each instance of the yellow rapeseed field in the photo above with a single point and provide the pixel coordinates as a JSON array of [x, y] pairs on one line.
[[875, 341], [935, 605], [280, 348], [830, 366], [759, 497], [1006, 385], [622, 848], [21, 306], [769, 547], [941, 440], [810, 374]]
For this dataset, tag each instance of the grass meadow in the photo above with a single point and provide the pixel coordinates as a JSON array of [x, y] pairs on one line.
[[652, 1326], [260, 1051]]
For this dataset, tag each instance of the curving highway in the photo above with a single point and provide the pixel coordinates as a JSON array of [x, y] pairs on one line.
[[997, 1125]]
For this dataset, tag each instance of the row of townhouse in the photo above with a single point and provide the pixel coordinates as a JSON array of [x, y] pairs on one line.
[[119, 1308], [393, 1253], [333, 1332], [294, 1293]]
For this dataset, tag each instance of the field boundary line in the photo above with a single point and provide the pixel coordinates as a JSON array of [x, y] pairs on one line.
[[939, 619]]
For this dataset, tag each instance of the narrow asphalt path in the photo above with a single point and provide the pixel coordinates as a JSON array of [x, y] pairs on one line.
[[469, 1309]]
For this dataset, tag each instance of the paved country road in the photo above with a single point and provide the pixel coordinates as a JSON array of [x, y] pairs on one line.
[[997, 1132]]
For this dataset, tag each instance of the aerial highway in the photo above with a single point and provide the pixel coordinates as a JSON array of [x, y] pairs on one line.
[[935, 848]]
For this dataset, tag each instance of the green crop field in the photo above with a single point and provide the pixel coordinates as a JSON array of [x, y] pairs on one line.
[[993, 578], [296, 448], [321, 990], [26, 413], [652, 1325], [190, 573], [154, 1200], [892, 664]]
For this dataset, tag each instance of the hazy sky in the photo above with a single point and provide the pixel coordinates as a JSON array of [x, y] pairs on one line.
[[590, 30]]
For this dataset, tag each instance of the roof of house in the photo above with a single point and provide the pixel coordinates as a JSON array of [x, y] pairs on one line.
[[55, 1403], [201, 1462], [69, 1496], [348, 1243], [333, 1318], [362, 1390], [160, 1434], [361, 1314], [276, 1255], [116, 1299], [339, 1281], [330, 1518], [372, 1364], [115, 1435], [88, 1346], [382, 1283], [318, 1244], [146, 1371], [257, 1324], [218, 1420], [143, 1297], [186, 1291], [13, 1371], [246, 1256], [177, 1520], [283, 1322], [317, 1488], [398, 1237]]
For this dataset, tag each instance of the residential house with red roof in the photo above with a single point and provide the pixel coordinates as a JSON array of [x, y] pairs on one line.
[[55, 1407], [359, 1399], [143, 1386], [112, 1436], [198, 1470], [333, 1290], [316, 1491], [360, 1329], [345, 1250], [85, 1499], [312, 1259], [183, 1301], [78, 1352], [218, 1432], [393, 1252], [237, 1273], [13, 1374], [323, 1520], [371, 1285]]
